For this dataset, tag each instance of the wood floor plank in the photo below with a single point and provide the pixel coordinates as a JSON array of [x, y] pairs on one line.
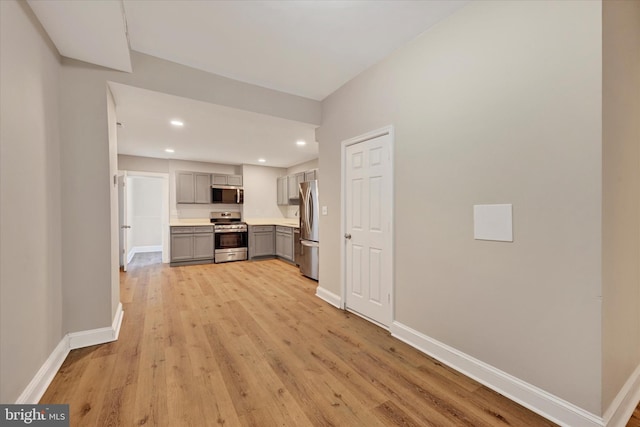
[[249, 344]]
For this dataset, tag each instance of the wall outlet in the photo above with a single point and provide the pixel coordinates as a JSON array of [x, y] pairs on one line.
[[324, 210]]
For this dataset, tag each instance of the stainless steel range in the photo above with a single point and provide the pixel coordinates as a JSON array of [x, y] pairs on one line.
[[230, 236]]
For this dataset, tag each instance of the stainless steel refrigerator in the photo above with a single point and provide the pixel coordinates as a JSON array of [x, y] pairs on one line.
[[309, 233]]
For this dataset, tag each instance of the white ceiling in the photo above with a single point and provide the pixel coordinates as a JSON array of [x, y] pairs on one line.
[[306, 48], [211, 133], [90, 31]]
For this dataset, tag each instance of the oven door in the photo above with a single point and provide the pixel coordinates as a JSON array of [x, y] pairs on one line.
[[230, 239]]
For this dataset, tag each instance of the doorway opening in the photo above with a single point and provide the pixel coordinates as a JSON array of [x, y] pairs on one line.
[[143, 217]]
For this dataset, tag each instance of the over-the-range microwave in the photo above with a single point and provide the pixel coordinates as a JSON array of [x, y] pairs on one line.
[[228, 195]]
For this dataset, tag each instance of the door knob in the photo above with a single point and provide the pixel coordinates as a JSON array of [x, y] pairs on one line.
[[347, 236], [125, 226]]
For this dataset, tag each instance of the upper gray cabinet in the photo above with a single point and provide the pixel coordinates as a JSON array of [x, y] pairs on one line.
[[283, 190], [235, 180], [311, 175], [193, 187], [203, 188], [294, 185], [185, 187], [232, 180], [288, 186]]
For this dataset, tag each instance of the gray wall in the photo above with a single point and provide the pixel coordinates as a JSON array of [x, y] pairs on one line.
[[261, 191], [30, 263], [311, 164], [499, 103], [142, 164], [621, 189]]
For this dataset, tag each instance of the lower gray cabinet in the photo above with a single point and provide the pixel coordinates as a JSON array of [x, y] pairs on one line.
[[284, 242], [181, 247], [203, 246], [191, 243], [261, 241]]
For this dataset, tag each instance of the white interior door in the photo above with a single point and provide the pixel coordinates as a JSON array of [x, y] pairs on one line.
[[368, 232], [122, 220]]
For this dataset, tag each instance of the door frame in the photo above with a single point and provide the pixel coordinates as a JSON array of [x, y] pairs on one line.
[[123, 238], [387, 130]]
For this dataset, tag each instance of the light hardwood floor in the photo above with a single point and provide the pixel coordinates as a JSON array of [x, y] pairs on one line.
[[249, 344]]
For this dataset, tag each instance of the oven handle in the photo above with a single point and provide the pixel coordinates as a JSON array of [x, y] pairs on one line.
[[230, 231]]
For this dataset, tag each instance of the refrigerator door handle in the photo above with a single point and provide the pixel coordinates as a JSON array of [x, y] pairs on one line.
[[310, 213]]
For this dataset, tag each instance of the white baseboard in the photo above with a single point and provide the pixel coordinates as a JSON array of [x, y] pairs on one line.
[[38, 385], [117, 321], [130, 255], [329, 297], [622, 407], [99, 335], [549, 406], [40, 382], [142, 249]]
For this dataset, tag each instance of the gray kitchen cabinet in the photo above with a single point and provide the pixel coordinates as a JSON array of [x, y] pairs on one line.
[[294, 187], [232, 180], [283, 190], [311, 175], [289, 186], [185, 187], [181, 247], [284, 242], [191, 243], [203, 246], [193, 187], [217, 179], [235, 180], [202, 187], [261, 241]]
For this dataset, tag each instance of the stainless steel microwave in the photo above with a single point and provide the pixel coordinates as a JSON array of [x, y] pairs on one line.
[[228, 195]]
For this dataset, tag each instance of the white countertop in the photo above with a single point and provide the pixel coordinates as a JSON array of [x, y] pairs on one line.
[[286, 222], [192, 222]]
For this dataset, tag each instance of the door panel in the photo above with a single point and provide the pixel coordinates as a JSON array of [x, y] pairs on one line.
[[368, 197], [356, 270], [375, 270]]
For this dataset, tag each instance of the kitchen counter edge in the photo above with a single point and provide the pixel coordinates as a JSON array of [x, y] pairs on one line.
[[285, 222]]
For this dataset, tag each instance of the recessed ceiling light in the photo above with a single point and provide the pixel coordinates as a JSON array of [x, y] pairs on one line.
[[301, 142], [169, 150], [177, 123], [261, 160]]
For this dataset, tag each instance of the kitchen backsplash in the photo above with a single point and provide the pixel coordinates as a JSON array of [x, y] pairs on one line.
[[185, 211], [292, 212]]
